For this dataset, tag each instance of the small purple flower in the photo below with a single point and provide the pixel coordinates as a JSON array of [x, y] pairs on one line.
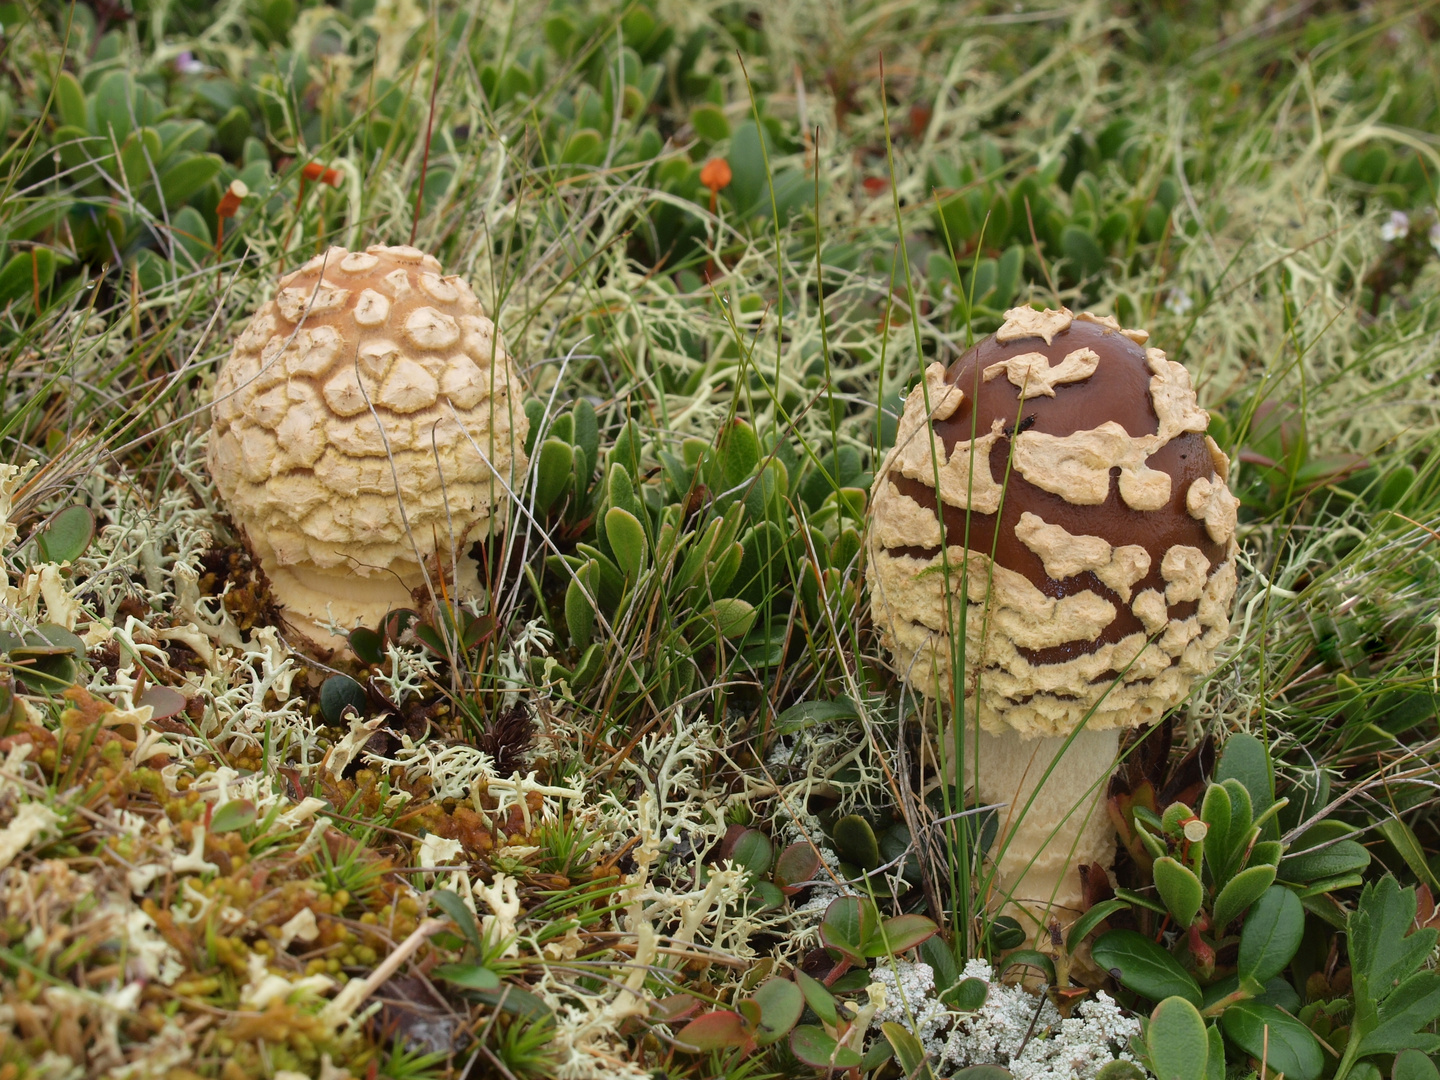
[[186, 64]]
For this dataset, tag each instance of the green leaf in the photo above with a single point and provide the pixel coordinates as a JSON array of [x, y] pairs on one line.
[[22, 271], [584, 147], [855, 841], [1239, 893], [138, 155], [900, 934], [709, 122], [737, 453], [1333, 860], [1176, 1042], [1179, 888], [1413, 1065], [781, 1004], [1404, 1014], [719, 1030], [748, 183], [730, 617], [1083, 250], [1383, 951], [1246, 759], [1031, 958], [339, 693], [983, 1072], [367, 645], [69, 100], [450, 903], [752, 851], [908, 1051], [66, 535], [1272, 934], [587, 430], [1144, 967], [820, 1000], [580, 607], [470, 976], [627, 540], [1215, 812], [817, 1049], [968, 995], [936, 952], [1285, 1044], [1120, 1069], [1403, 839], [809, 713], [186, 177], [849, 924], [1215, 1064], [552, 472], [235, 814], [1086, 924], [192, 236]]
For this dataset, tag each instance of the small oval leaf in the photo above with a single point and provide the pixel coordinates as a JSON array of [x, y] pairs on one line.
[[781, 1004], [470, 976], [338, 694], [817, 1049], [1176, 1042], [1239, 893], [798, 862], [66, 536], [855, 841], [717, 1030], [552, 472], [367, 645], [1179, 888], [235, 814], [627, 540]]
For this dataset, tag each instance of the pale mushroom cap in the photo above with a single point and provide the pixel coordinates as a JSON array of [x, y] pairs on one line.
[[370, 381], [1113, 536]]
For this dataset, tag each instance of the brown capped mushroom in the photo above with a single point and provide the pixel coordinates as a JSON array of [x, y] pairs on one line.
[[365, 428], [1089, 542]]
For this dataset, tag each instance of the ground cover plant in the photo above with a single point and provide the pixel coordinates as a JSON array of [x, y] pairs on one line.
[[656, 803]]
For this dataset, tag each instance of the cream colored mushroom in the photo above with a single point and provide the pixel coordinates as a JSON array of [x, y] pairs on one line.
[[1089, 541], [366, 427]]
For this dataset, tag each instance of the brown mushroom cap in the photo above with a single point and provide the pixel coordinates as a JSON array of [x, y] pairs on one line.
[[352, 424], [1103, 503]]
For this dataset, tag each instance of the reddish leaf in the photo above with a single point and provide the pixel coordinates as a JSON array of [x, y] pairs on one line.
[[719, 1030], [797, 863], [676, 1007]]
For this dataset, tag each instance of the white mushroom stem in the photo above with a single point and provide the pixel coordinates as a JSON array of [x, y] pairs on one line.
[[1066, 826]]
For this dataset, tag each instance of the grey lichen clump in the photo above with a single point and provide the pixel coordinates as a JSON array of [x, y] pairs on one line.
[[367, 425], [1086, 524]]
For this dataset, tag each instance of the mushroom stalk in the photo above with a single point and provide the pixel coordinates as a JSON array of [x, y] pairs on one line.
[[1044, 842]]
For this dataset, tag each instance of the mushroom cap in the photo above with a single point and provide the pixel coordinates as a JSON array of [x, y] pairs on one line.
[[1093, 541], [370, 382]]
